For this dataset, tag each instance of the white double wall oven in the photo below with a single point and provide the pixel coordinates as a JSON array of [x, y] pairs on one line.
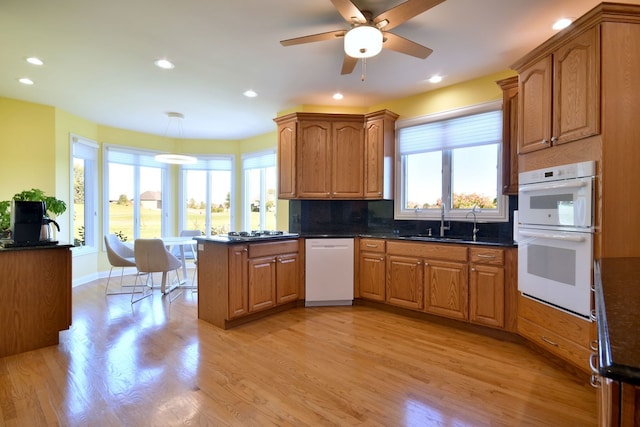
[[555, 236]]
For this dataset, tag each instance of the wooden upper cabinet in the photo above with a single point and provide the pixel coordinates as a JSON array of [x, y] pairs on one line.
[[379, 154], [327, 156], [347, 146], [287, 160], [559, 94], [314, 159], [509, 135]]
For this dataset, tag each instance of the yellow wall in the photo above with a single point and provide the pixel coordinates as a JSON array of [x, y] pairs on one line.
[[35, 145]]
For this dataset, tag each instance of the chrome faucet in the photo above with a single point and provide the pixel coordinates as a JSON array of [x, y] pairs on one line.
[[442, 226], [475, 228]]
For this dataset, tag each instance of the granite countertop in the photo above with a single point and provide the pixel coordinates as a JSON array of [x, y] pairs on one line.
[[617, 292], [36, 247]]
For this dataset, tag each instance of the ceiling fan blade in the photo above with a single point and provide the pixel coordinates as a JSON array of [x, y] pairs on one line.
[[348, 64], [349, 11], [403, 12], [402, 45], [314, 38]]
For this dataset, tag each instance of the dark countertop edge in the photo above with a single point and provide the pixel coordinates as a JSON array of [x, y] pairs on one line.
[[37, 247], [390, 236], [606, 366]]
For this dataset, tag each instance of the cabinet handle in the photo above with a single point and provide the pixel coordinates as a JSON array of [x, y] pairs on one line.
[[595, 381], [592, 363], [369, 245], [593, 315], [594, 345], [548, 341], [486, 256]]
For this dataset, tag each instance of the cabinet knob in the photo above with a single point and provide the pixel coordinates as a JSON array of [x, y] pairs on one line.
[[473, 269], [554, 138], [544, 141]]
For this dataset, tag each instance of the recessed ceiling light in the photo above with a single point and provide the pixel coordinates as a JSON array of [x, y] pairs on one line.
[[435, 79], [35, 61], [164, 64], [25, 81], [250, 93], [337, 96], [561, 24]]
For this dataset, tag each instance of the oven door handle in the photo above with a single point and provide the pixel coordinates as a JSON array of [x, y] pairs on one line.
[[558, 185], [562, 237]]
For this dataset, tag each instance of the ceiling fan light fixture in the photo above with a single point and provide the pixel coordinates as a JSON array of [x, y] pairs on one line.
[[363, 41]]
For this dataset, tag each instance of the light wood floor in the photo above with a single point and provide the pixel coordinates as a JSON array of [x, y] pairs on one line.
[[157, 365]]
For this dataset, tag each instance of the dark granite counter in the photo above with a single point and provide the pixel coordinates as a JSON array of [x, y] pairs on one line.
[[35, 247], [238, 239], [617, 292], [484, 241]]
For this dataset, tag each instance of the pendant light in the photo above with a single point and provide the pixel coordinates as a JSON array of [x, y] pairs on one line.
[[363, 41], [175, 159]]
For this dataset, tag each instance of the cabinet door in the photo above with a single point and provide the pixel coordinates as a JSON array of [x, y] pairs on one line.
[[347, 146], [534, 106], [576, 81], [487, 295], [405, 281], [509, 135], [314, 159], [446, 289], [372, 277], [373, 159], [238, 281], [287, 160], [287, 278], [262, 283]]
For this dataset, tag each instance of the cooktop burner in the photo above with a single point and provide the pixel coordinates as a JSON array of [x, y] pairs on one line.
[[258, 234]]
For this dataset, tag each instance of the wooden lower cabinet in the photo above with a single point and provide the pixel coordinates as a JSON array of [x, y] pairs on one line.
[[618, 403], [446, 288], [372, 269], [240, 279], [262, 283], [405, 281], [487, 287]]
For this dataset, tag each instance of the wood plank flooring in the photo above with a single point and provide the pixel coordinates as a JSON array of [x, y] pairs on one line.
[[156, 364]]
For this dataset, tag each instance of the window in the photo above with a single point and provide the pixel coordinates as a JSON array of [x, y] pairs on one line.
[[451, 162], [259, 206], [207, 195], [135, 185], [83, 213]]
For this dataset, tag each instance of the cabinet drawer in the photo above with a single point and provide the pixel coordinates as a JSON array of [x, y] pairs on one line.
[[487, 256], [569, 327], [257, 250], [372, 245], [556, 344], [448, 252]]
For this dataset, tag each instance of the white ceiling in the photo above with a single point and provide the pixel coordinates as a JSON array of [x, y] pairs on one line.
[[99, 56]]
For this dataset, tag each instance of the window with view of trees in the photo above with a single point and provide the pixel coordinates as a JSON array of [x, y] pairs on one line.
[[135, 185], [207, 189], [259, 205], [85, 189], [452, 161]]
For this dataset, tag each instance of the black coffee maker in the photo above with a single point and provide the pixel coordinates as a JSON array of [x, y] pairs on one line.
[[26, 221]]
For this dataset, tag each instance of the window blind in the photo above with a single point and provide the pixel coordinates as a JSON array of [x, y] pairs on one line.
[[466, 131], [259, 161]]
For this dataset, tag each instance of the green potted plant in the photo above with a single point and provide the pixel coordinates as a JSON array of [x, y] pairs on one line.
[[54, 206]]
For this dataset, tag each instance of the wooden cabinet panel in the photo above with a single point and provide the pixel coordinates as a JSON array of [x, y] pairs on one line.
[[287, 278], [372, 276], [576, 100], [534, 107], [262, 283], [486, 289], [372, 245], [446, 289], [238, 286], [404, 282], [314, 159], [509, 135], [347, 147], [287, 160]]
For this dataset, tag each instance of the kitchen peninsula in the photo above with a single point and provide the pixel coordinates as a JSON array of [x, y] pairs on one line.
[[36, 297]]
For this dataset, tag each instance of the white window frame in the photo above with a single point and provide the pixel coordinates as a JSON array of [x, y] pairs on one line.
[[147, 157], [86, 149], [207, 163], [501, 214], [256, 160]]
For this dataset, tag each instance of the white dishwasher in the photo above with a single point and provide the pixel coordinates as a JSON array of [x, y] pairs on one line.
[[328, 272]]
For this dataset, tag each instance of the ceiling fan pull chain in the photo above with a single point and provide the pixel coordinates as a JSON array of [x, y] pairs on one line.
[[364, 68]]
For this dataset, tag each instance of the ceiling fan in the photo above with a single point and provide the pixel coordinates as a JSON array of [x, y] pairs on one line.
[[368, 35]]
